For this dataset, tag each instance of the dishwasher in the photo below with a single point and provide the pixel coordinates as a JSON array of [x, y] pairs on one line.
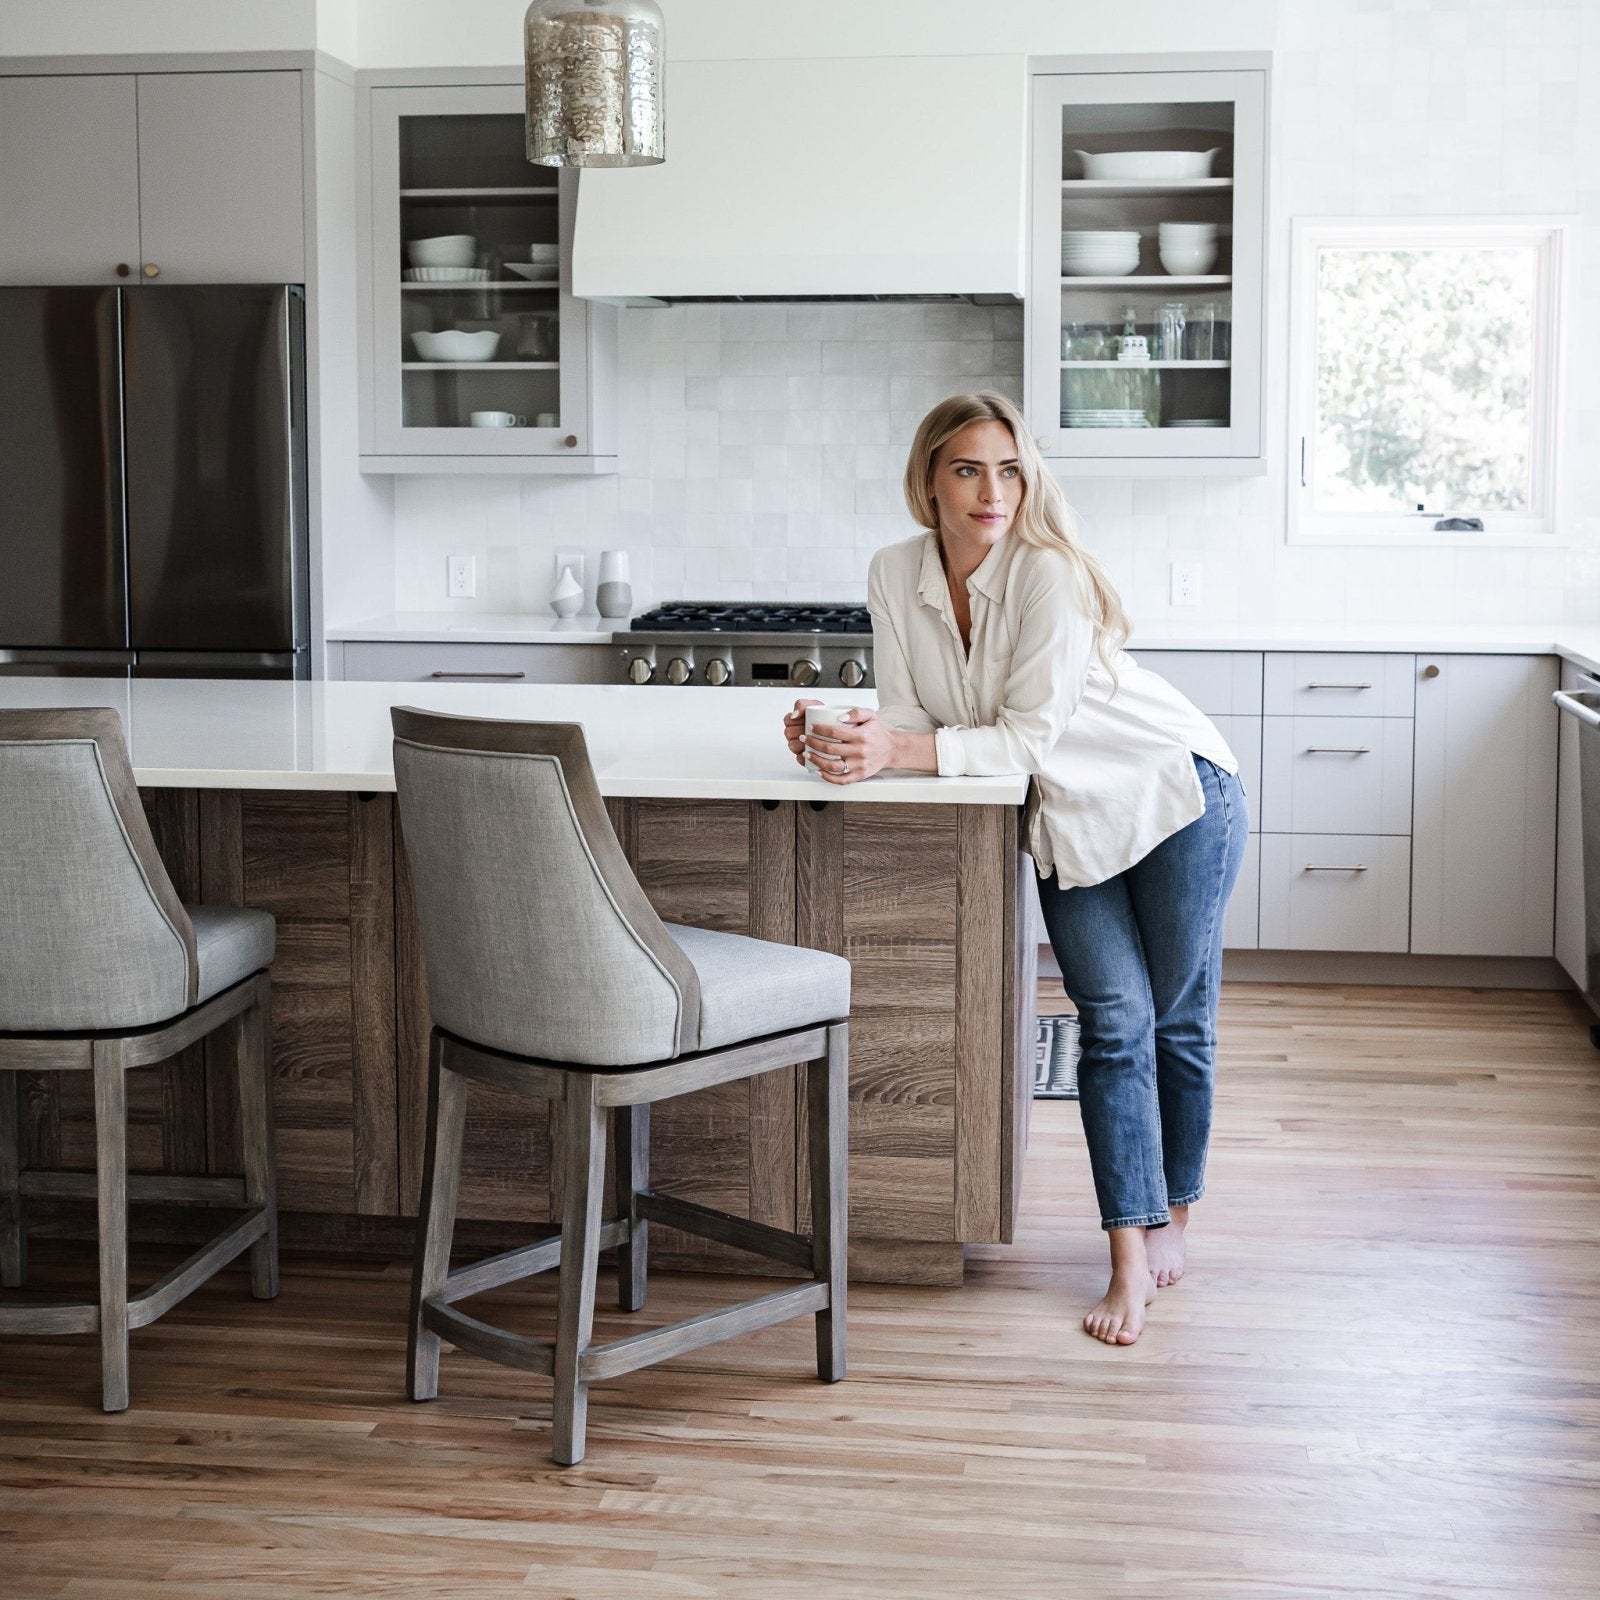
[[1584, 705]]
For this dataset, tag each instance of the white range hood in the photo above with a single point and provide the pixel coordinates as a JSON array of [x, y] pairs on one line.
[[885, 175]]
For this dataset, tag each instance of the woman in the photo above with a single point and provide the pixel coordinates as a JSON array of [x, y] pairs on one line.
[[997, 648]]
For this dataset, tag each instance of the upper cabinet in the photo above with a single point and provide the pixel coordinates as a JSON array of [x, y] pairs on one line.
[[183, 177], [476, 356], [1145, 303]]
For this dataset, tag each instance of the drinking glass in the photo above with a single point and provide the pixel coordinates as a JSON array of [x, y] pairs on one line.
[[1169, 331], [1202, 331]]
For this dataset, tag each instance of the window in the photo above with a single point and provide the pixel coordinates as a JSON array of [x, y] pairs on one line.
[[1424, 381]]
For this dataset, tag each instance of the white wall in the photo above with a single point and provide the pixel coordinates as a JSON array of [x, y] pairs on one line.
[[131, 27]]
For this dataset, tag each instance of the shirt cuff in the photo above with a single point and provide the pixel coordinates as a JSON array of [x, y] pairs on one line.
[[950, 752]]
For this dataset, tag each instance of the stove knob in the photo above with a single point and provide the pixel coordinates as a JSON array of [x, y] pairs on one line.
[[640, 670], [852, 674], [679, 670], [804, 673], [718, 670]]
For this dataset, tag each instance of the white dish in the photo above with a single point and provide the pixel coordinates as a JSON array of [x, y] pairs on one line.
[[1113, 269], [447, 274], [446, 250], [536, 271], [1186, 232], [454, 344], [544, 252], [1188, 261], [1198, 422], [1072, 236], [1148, 166]]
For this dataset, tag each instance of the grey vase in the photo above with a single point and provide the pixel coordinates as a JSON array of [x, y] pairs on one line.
[[614, 599]]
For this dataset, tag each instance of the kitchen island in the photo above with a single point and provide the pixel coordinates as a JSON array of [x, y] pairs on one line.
[[280, 795]]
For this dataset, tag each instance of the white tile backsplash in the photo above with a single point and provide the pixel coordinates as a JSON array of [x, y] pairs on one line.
[[762, 445]]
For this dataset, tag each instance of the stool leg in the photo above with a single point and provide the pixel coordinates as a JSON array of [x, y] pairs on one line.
[[828, 1102], [580, 1262], [111, 1191], [255, 1136], [632, 1159], [441, 1179], [13, 1208]]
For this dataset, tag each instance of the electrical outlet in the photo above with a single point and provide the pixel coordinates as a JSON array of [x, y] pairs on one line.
[[461, 577], [1184, 583], [568, 558]]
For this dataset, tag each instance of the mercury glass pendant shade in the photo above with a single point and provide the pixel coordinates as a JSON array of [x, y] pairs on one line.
[[594, 83]]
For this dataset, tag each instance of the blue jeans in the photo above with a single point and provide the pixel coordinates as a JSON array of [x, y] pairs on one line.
[[1141, 958]]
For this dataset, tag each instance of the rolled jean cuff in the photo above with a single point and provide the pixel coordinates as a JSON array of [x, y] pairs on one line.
[[1187, 1199], [1155, 1219]]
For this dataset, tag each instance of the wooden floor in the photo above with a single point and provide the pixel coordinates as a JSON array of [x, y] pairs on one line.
[[1382, 1378]]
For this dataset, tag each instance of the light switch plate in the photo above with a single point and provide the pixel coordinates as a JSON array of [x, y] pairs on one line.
[[461, 577]]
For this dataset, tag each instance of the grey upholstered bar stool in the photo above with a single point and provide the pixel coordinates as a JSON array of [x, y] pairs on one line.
[[102, 969], [549, 973]]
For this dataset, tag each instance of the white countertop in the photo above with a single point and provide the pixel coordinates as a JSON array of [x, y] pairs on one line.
[[690, 744], [1577, 644], [478, 627]]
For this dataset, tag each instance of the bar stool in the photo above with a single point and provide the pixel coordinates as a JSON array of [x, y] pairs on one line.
[[550, 974], [105, 970]]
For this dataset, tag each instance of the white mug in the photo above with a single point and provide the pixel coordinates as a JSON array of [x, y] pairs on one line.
[[498, 419], [828, 717], [546, 419]]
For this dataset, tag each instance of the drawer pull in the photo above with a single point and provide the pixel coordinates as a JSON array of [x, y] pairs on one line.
[[1333, 869], [1338, 749], [1338, 686], [506, 677]]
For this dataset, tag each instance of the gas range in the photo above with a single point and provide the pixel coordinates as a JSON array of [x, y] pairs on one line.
[[748, 642]]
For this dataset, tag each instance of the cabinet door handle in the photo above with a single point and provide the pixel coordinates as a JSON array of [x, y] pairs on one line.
[[1333, 869], [151, 270], [123, 269], [498, 676], [1430, 671], [1338, 749], [1338, 686]]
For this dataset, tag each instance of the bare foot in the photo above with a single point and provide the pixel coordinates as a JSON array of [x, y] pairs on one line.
[[1166, 1249], [1118, 1318]]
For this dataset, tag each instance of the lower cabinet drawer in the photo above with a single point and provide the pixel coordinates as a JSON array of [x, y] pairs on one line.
[[1336, 775], [1244, 739], [1240, 928], [380, 661], [1335, 892]]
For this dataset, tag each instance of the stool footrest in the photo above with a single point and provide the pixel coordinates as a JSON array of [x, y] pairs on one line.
[[50, 1317], [172, 1188], [522, 1262], [187, 1276], [759, 1238], [495, 1344], [626, 1355]]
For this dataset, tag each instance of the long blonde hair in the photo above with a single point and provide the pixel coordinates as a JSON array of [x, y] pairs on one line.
[[1043, 518]]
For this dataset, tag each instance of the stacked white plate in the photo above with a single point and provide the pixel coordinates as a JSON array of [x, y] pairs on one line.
[[1198, 422], [447, 274], [1103, 417], [1099, 253]]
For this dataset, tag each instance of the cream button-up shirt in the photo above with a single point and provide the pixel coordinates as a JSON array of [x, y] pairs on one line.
[[1110, 759]]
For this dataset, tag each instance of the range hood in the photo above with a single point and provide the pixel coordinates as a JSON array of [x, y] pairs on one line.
[[867, 177]]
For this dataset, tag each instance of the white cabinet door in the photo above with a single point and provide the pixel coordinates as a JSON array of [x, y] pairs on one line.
[[1221, 683], [221, 179], [396, 661], [1571, 950], [69, 180], [1334, 892], [1484, 823], [1336, 775], [1337, 684]]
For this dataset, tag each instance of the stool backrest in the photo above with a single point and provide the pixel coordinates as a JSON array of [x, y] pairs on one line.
[[93, 933], [536, 935]]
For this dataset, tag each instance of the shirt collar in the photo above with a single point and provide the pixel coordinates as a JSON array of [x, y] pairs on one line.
[[989, 579]]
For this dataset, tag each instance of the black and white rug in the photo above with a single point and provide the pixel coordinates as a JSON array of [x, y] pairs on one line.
[[1055, 1059]]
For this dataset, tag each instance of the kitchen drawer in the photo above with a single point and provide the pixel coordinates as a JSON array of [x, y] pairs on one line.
[[1337, 684], [1241, 926], [1220, 682], [1335, 892], [1244, 739], [376, 661], [1336, 775]]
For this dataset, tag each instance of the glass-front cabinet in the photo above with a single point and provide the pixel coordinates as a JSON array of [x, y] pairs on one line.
[[1145, 305], [478, 357]]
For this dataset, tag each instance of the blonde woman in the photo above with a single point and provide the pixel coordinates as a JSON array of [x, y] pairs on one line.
[[997, 645]]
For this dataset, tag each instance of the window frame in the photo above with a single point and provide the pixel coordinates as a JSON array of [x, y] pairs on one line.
[[1551, 237]]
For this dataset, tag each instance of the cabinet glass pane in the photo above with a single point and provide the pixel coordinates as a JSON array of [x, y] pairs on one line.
[[1147, 197], [478, 260]]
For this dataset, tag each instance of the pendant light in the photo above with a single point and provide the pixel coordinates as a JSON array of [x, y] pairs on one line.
[[594, 83]]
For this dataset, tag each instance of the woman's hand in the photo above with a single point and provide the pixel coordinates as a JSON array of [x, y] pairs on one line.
[[794, 729], [847, 752]]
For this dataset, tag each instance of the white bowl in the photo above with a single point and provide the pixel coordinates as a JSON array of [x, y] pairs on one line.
[[544, 252], [455, 345], [447, 250], [1149, 166], [1186, 232], [446, 274], [1188, 261]]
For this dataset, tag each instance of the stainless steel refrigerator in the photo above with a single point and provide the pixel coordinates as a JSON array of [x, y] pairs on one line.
[[153, 482]]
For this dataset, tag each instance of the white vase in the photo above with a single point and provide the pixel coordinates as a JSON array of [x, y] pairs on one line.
[[566, 599]]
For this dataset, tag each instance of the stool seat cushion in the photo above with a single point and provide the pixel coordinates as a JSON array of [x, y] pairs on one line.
[[230, 942], [749, 987]]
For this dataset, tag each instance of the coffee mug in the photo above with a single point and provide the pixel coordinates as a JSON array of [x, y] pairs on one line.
[[498, 419], [828, 717], [547, 419]]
